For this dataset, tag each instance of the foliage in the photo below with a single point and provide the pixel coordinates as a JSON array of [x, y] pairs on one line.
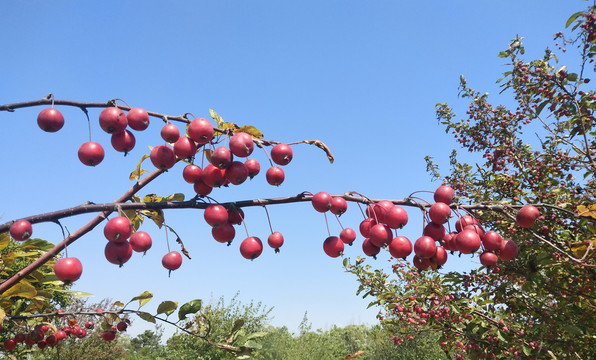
[[539, 151]]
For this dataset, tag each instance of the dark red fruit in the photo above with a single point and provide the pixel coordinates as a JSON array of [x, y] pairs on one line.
[[396, 217], [192, 173], [140, 241], [369, 248], [281, 154], [224, 233], [68, 269], [464, 221], [121, 326], [118, 252], [251, 247], [200, 130], [10, 344], [213, 176], [185, 148], [348, 236], [488, 259], [118, 229], [138, 119], [444, 194], [435, 231], [91, 153], [275, 176], [235, 216], [201, 188], [400, 247], [50, 120], [365, 226], [241, 144], [526, 216], [339, 205], [421, 264], [448, 241], [221, 157], [51, 340], [378, 210], [89, 325], [236, 173], [19, 338], [333, 246], [253, 167], [109, 335], [170, 133], [21, 230], [172, 260], [467, 241], [439, 259], [42, 344], [123, 141], [491, 240], [508, 250], [425, 247], [321, 201], [380, 235], [112, 120], [162, 157], [216, 215], [439, 213], [275, 240]]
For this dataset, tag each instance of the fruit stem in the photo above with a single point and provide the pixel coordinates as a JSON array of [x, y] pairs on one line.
[[125, 103], [165, 226], [327, 223], [337, 217], [268, 157], [268, 218]]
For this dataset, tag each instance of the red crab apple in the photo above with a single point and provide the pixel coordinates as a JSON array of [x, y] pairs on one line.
[[91, 153], [380, 235], [333, 246], [491, 240], [281, 154], [421, 264], [400, 247], [192, 173], [221, 157], [235, 216], [467, 241], [439, 213], [138, 119], [185, 147], [321, 201], [112, 120], [508, 250], [123, 141], [50, 120], [526, 216], [170, 133], [488, 259], [109, 335], [347, 235], [275, 240], [118, 252], [89, 325], [162, 157], [200, 130], [216, 215], [253, 167], [241, 144], [275, 176], [339, 205], [140, 241], [439, 259], [224, 233], [444, 194], [434, 230], [396, 217], [68, 269], [425, 247], [213, 176], [369, 248], [21, 230], [118, 229], [251, 247], [51, 340], [172, 260], [236, 173], [121, 326], [366, 225], [10, 344], [201, 188], [464, 221]]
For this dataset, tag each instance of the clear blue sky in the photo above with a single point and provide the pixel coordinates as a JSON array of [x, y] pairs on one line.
[[362, 76]]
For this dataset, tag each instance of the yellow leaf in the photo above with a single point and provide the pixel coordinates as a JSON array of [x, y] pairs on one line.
[[252, 131], [4, 240], [136, 174], [587, 211], [2, 315], [218, 120], [21, 289]]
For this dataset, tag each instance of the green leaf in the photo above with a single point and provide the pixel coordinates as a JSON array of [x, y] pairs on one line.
[[143, 298], [572, 77], [80, 294], [527, 350], [136, 174], [21, 289], [146, 316], [573, 330], [237, 325], [218, 120], [541, 106], [572, 18], [174, 197], [190, 307], [35, 243], [4, 240], [167, 307], [118, 303]]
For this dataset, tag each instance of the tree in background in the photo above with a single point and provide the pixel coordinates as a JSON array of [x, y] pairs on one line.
[[536, 182]]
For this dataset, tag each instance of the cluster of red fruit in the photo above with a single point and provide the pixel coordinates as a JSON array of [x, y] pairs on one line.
[[430, 250], [46, 334]]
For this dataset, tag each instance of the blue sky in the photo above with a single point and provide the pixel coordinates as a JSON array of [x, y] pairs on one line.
[[363, 77]]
